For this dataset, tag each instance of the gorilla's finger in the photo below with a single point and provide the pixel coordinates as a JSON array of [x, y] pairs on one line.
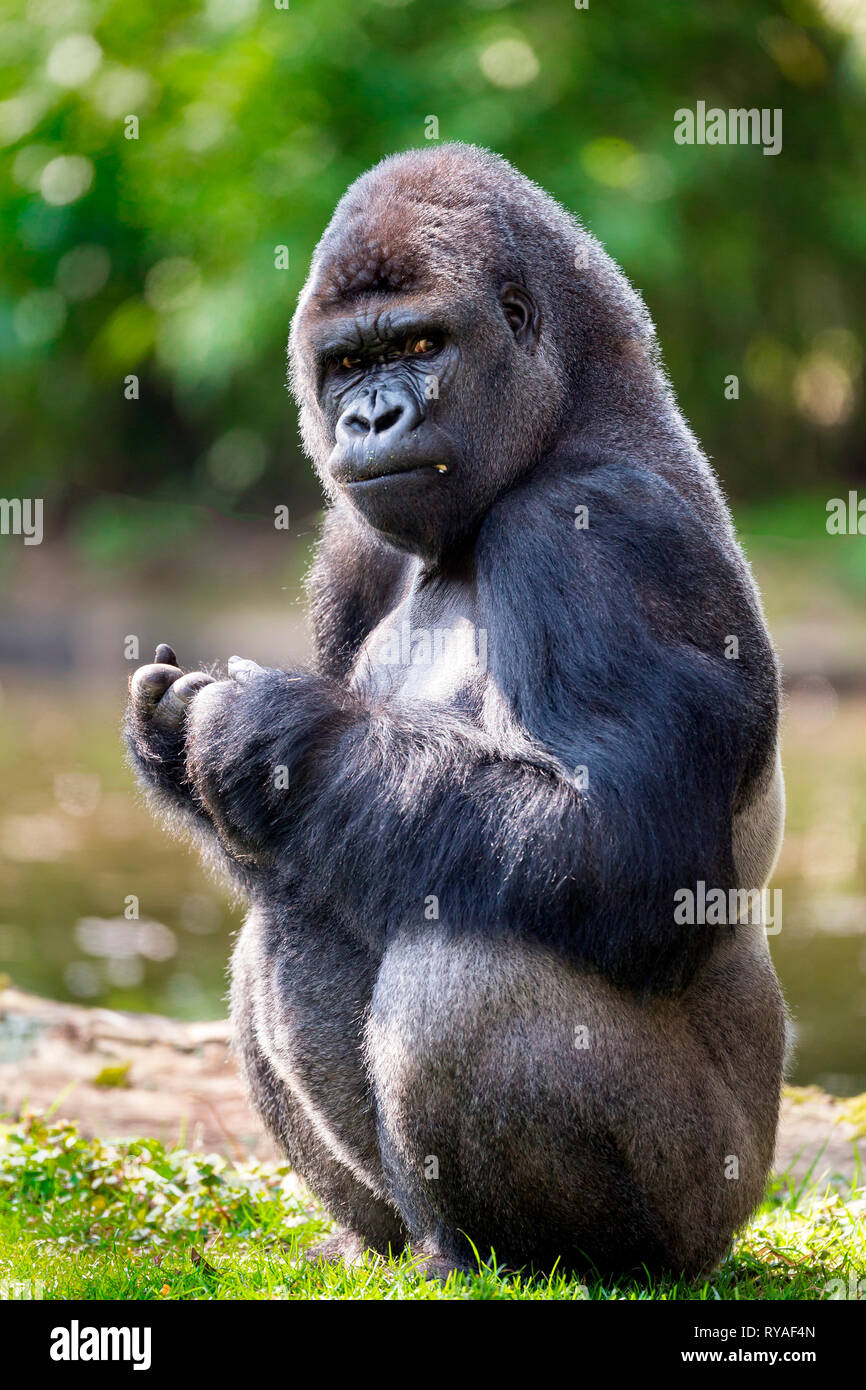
[[149, 683], [165, 653], [171, 709], [242, 670]]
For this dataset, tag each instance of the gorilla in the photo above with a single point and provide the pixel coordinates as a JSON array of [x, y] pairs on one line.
[[543, 708]]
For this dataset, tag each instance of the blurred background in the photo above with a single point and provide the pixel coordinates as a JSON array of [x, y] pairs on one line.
[[166, 171]]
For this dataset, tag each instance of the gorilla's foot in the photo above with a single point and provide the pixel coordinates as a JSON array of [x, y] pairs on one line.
[[434, 1263], [344, 1247]]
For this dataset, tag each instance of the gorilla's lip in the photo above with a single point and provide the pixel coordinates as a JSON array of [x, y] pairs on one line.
[[388, 475], [364, 464]]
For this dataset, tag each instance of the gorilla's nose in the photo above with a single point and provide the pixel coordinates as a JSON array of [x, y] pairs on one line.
[[383, 416]]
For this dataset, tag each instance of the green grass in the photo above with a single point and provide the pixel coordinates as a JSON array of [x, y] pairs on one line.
[[86, 1218]]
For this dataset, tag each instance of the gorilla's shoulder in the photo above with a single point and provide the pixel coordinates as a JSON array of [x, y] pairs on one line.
[[613, 545], [612, 501]]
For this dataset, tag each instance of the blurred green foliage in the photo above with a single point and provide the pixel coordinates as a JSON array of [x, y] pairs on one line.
[[157, 255]]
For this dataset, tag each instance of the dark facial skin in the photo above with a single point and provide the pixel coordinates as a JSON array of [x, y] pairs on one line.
[[388, 379]]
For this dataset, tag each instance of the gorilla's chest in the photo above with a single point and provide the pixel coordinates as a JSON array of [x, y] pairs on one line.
[[430, 647]]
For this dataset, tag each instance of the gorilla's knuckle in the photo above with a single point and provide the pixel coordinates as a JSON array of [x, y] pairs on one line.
[[209, 699]]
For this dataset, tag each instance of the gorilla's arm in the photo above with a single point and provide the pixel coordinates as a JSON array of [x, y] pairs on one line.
[[607, 649], [352, 584]]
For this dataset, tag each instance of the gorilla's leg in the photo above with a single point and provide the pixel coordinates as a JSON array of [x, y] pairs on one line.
[[541, 1113], [299, 995]]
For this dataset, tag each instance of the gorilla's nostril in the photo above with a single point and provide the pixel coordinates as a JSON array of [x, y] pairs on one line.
[[357, 423], [388, 418]]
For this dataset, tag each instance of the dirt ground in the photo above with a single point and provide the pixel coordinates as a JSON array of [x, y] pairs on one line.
[[123, 1074]]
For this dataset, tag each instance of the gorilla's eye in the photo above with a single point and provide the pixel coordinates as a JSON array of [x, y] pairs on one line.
[[349, 362], [420, 345]]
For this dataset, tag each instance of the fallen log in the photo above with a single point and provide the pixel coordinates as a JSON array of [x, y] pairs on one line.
[[126, 1074]]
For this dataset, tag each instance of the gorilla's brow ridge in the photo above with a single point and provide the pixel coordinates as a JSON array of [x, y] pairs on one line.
[[371, 268], [370, 328]]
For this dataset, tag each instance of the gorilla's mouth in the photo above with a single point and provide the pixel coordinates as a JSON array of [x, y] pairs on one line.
[[388, 474], [424, 458]]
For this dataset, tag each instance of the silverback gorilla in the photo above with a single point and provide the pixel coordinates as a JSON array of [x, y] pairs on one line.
[[543, 705]]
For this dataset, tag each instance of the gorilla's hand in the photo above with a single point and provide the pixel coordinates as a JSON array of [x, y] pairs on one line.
[[160, 693], [249, 744], [189, 743], [160, 696]]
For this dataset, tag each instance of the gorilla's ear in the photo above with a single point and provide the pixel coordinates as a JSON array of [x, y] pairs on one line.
[[522, 313]]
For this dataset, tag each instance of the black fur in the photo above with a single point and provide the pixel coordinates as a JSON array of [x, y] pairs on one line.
[[374, 1036]]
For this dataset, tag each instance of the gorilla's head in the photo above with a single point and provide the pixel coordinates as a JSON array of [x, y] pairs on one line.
[[457, 323]]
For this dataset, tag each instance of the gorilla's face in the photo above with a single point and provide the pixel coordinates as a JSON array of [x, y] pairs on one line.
[[407, 393]]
